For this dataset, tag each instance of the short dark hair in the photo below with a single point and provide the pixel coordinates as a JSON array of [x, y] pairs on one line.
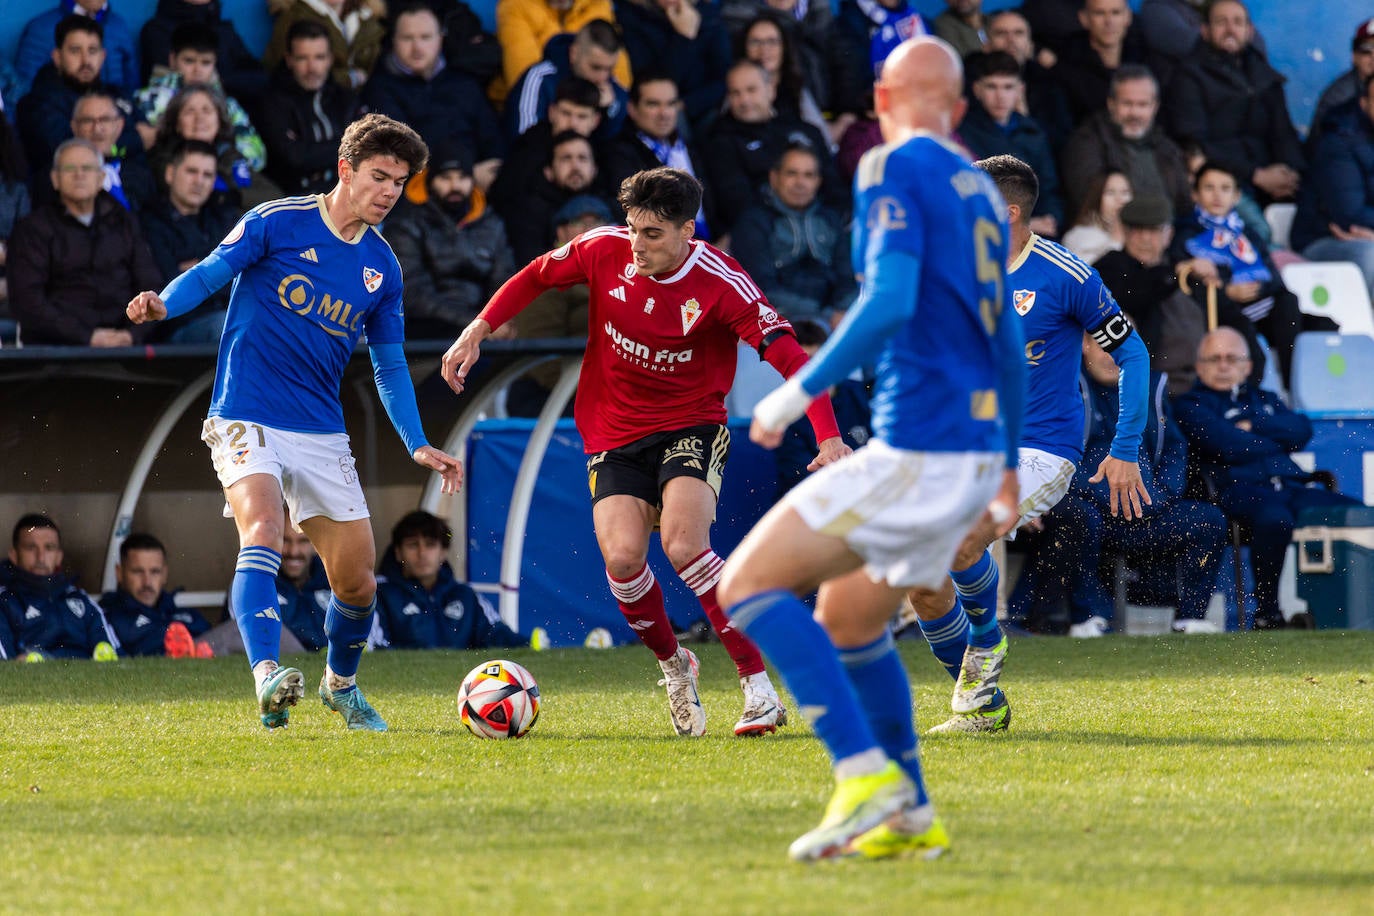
[[190, 148], [564, 137], [195, 36], [795, 146], [982, 64], [33, 520], [140, 540], [99, 93], [1214, 165], [76, 23], [579, 92], [1015, 180], [421, 524], [810, 332], [647, 77], [304, 30], [377, 135], [1130, 73], [668, 193], [600, 33]]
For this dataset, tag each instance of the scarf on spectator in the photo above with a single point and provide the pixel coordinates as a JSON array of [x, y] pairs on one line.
[[890, 28], [1223, 241], [673, 153]]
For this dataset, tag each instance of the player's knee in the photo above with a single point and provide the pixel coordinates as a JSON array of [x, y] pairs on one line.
[[683, 549], [624, 564], [974, 544], [263, 532], [358, 588], [932, 603]]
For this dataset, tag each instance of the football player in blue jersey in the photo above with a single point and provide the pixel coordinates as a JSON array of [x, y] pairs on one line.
[[930, 239], [1058, 298], [311, 275]]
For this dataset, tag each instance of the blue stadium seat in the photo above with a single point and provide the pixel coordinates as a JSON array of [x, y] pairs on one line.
[[1332, 373]]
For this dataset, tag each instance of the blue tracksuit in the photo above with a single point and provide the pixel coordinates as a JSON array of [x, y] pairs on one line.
[[140, 628], [450, 616], [49, 614], [302, 609]]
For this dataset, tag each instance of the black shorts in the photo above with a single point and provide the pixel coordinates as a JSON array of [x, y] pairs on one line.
[[642, 468]]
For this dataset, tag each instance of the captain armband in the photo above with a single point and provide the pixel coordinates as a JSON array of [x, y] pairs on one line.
[[1113, 332]]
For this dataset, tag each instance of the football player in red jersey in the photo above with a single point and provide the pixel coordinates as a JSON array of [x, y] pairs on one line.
[[667, 313]]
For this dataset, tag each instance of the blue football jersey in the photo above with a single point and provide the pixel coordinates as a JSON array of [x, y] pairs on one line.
[[937, 378], [1058, 297], [302, 297]]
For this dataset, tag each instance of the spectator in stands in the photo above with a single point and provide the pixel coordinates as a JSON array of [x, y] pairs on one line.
[[1335, 218], [1088, 60], [1171, 30], [309, 111], [354, 31], [862, 134], [142, 613], [556, 313], [795, 248], [590, 54], [766, 42], [808, 25], [240, 72], [746, 140], [651, 138], [1249, 280], [1054, 23], [993, 127], [963, 25], [14, 206], [865, 33], [1125, 137], [45, 113], [452, 249], [182, 226], [685, 38], [1241, 437], [197, 112], [853, 418], [75, 261], [420, 605], [576, 107], [1009, 31], [469, 46], [36, 43], [525, 27], [1146, 285], [192, 63], [1344, 91], [1177, 541], [1230, 100], [415, 85], [98, 118], [571, 170], [1098, 228], [45, 614]]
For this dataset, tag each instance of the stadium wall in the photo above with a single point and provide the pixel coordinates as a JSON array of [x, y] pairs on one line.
[[1308, 42]]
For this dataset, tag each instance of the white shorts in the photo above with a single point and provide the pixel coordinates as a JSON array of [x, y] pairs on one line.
[[314, 470], [905, 513], [1043, 480]]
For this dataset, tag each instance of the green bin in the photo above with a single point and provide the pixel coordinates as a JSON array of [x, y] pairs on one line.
[[1336, 566]]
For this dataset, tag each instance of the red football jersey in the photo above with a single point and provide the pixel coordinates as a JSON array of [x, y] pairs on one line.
[[660, 350]]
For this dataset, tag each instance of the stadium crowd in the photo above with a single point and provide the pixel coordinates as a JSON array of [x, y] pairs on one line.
[[128, 150]]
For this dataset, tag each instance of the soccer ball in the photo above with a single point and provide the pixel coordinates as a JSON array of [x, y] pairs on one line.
[[498, 699]]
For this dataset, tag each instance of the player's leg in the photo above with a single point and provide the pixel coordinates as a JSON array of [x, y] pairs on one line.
[[349, 555], [245, 458], [689, 509]]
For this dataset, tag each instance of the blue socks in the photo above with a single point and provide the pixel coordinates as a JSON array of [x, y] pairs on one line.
[[884, 692], [948, 638], [253, 601], [347, 627], [786, 632], [977, 589]]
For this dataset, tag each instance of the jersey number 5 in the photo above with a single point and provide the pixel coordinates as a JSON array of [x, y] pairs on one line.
[[986, 236]]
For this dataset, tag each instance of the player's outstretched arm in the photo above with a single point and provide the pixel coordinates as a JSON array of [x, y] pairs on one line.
[[1127, 486], [463, 354], [448, 467], [146, 306]]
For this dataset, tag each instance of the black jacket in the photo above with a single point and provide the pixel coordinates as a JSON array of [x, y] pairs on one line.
[[44, 120], [451, 104], [1027, 141], [67, 279], [301, 130], [739, 157]]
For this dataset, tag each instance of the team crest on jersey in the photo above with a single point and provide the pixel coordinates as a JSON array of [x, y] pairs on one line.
[[768, 319], [629, 272], [1023, 300], [371, 279], [691, 311], [649, 306], [77, 607], [240, 456], [234, 234]]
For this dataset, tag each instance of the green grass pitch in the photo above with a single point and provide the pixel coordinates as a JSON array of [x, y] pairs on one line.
[[1228, 774]]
